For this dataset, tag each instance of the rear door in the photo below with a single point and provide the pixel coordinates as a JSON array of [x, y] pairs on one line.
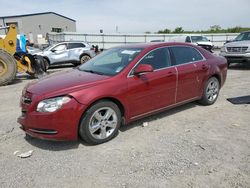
[[154, 90], [75, 50], [189, 63]]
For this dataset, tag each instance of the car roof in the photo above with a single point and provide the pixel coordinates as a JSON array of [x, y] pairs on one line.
[[71, 42], [153, 45]]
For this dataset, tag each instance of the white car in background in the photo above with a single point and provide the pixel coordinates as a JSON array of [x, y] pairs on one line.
[[199, 40], [67, 52]]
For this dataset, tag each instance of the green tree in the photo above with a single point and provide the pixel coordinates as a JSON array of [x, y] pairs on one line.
[[165, 31], [178, 30], [215, 28]]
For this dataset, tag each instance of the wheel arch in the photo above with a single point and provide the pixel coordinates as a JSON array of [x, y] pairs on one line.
[[82, 54], [45, 57], [111, 99], [218, 77]]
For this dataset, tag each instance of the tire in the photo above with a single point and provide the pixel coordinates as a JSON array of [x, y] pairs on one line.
[[100, 123], [42, 62], [210, 92], [84, 58], [46, 62], [8, 68]]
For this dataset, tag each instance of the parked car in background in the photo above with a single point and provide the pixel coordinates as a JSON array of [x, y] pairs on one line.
[[68, 52], [121, 84], [194, 39], [237, 50]]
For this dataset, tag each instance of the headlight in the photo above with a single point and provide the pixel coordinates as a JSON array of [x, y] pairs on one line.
[[53, 104], [223, 49]]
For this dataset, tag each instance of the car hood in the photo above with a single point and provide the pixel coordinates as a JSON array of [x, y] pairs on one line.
[[64, 82], [238, 43], [205, 43]]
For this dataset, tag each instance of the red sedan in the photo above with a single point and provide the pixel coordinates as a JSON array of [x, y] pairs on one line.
[[118, 86]]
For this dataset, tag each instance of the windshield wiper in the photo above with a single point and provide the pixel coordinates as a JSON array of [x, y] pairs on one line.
[[93, 72]]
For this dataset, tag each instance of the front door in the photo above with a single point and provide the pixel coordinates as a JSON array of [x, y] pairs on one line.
[[154, 90], [59, 53]]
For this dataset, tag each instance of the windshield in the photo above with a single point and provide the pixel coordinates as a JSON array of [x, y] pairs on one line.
[[243, 36], [198, 38], [110, 62]]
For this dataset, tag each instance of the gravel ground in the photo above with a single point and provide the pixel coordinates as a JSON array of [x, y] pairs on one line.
[[189, 146]]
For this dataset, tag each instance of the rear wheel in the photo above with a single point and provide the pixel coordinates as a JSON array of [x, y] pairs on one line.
[[84, 58], [8, 68], [100, 122], [211, 91]]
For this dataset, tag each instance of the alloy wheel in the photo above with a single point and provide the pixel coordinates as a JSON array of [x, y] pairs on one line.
[[103, 123]]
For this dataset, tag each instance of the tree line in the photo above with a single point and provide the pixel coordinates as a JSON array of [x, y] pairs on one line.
[[212, 29]]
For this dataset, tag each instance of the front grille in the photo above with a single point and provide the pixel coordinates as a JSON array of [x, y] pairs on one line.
[[24, 112], [27, 98], [207, 47], [241, 49]]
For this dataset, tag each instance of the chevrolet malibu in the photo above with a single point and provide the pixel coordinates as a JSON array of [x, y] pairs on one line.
[[118, 86]]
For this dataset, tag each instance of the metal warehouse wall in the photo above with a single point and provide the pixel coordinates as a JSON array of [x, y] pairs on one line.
[[40, 24]]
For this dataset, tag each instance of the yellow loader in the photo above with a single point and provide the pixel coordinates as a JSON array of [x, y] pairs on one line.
[[11, 62]]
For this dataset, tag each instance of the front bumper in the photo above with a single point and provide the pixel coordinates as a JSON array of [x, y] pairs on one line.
[[206, 47], [236, 58], [59, 125]]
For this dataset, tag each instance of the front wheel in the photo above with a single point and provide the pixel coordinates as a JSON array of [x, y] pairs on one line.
[[100, 122], [211, 91]]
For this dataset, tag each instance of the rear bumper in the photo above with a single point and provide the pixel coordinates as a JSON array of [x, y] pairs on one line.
[[59, 125]]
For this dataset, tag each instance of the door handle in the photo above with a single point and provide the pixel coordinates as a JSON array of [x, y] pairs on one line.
[[204, 67], [170, 73]]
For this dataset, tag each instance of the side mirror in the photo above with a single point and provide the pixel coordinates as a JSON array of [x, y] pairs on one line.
[[143, 68]]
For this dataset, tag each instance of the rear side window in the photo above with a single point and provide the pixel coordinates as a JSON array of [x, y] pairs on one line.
[[75, 45], [159, 58], [185, 54]]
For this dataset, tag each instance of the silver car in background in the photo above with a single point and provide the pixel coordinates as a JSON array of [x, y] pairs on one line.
[[237, 50], [67, 52]]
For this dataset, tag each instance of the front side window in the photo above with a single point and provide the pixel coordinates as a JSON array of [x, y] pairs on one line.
[[110, 62], [60, 47], [158, 59], [188, 39], [185, 54]]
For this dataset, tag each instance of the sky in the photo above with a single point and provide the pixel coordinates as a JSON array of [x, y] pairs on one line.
[[138, 16]]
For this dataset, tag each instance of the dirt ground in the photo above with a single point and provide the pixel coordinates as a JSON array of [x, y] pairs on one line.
[[189, 146]]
